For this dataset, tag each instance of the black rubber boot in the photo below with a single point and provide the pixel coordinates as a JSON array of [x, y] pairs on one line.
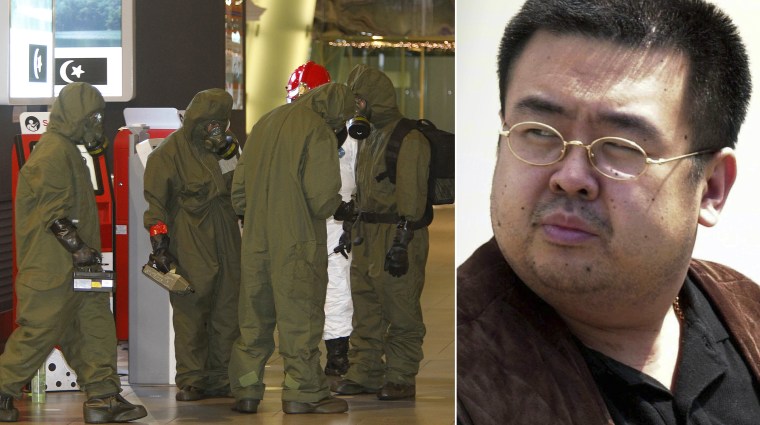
[[349, 387], [391, 391], [113, 408], [246, 405], [337, 356], [189, 393], [8, 413], [328, 404]]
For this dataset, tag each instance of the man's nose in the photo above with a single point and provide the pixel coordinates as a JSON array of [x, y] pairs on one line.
[[574, 175]]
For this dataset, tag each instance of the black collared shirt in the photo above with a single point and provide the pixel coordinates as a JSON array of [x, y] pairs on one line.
[[712, 385]]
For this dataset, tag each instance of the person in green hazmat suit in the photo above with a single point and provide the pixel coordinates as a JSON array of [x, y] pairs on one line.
[[388, 268], [194, 230], [286, 185], [339, 310], [58, 232]]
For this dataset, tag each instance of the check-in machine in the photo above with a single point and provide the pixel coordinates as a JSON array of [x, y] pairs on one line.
[[151, 335]]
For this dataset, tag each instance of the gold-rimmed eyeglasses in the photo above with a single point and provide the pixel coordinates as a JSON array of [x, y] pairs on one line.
[[535, 143]]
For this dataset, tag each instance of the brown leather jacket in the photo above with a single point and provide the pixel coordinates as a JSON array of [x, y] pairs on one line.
[[517, 362]]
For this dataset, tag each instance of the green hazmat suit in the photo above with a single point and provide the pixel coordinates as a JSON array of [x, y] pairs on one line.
[[387, 314], [286, 186], [54, 184], [187, 187]]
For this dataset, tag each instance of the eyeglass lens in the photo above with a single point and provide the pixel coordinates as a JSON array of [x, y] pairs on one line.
[[539, 144]]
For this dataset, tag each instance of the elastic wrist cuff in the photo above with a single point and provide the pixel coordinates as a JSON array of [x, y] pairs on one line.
[[158, 229]]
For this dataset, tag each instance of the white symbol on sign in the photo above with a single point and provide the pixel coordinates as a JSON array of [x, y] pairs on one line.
[[37, 64], [32, 124], [64, 71], [77, 71]]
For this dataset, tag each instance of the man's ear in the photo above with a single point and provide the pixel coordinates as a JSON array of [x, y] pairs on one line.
[[719, 176]]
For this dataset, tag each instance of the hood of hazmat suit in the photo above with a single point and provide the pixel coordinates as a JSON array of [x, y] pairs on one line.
[[208, 105], [377, 89], [72, 108]]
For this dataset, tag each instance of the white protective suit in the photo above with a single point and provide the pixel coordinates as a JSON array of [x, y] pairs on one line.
[[339, 308]]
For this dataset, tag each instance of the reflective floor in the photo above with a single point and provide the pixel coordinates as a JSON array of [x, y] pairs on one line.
[[434, 404]]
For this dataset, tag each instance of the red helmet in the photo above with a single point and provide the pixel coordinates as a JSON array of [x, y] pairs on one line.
[[306, 77]]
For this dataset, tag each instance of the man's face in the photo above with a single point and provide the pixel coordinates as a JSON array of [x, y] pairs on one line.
[[573, 235]]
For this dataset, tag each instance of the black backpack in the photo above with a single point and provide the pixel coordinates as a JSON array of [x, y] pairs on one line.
[[441, 174]]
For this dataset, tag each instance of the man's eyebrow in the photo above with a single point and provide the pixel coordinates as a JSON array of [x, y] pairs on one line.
[[633, 122], [537, 104], [621, 120]]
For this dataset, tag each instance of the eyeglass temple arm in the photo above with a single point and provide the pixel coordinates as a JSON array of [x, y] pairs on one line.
[[675, 158]]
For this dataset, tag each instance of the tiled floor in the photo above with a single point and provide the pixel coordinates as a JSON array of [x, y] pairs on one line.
[[434, 404]]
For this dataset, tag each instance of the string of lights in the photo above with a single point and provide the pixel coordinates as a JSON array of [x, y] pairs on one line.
[[375, 43]]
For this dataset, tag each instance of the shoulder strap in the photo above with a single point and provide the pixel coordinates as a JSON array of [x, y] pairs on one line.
[[404, 126]]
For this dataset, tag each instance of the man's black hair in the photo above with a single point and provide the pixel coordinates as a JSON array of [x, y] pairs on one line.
[[718, 84]]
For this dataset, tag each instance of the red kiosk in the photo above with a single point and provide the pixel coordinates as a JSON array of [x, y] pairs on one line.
[[123, 146]]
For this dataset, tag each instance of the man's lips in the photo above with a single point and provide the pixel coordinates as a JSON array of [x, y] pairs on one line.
[[566, 229]]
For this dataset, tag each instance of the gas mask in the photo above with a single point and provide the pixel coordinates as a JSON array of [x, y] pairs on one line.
[[94, 139], [358, 126], [217, 140]]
